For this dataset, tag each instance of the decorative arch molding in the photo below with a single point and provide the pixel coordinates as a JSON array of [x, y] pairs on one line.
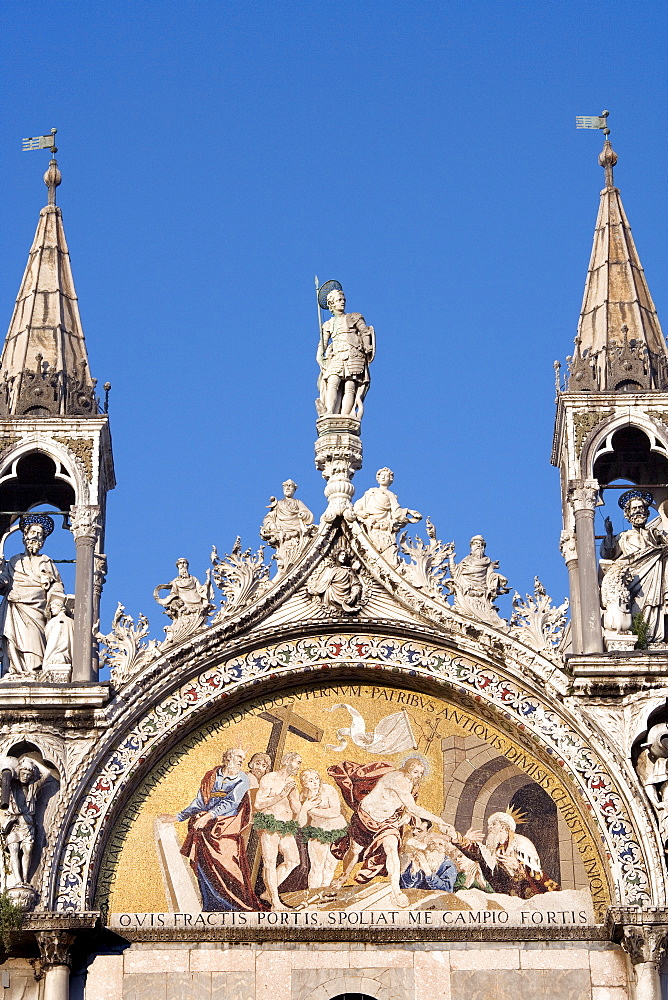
[[614, 804], [376, 983], [652, 425], [60, 453]]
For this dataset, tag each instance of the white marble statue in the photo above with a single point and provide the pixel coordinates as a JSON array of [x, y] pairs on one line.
[[643, 549], [58, 632], [476, 584], [652, 768], [188, 603], [17, 820], [338, 586], [287, 527], [380, 515], [345, 351], [27, 581]]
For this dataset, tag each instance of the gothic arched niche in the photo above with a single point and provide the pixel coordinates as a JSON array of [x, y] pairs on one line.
[[36, 480], [341, 739], [629, 456]]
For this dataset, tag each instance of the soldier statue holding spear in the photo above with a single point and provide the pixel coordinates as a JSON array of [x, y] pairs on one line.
[[345, 351]]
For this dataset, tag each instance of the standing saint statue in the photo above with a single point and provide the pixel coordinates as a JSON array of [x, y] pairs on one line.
[[59, 635], [27, 582], [643, 549], [475, 582], [287, 526], [346, 349], [380, 515]]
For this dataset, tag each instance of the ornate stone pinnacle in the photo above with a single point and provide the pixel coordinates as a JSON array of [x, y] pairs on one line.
[[338, 455], [53, 179], [608, 159]]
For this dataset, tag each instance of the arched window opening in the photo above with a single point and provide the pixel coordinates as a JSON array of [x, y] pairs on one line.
[[536, 814], [353, 996], [35, 483], [631, 459]]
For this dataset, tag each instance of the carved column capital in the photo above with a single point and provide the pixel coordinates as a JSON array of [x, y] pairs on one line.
[[84, 522], [583, 495], [55, 948], [645, 944], [568, 547]]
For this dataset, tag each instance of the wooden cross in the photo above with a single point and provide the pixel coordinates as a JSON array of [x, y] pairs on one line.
[[283, 720]]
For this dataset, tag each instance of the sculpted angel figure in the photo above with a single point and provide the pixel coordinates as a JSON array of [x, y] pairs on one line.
[[643, 549], [345, 351], [27, 582], [380, 515], [286, 526]]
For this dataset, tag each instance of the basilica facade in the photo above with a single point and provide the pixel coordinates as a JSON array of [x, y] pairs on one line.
[[342, 771]]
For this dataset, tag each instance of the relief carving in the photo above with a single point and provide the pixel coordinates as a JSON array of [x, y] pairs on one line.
[[82, 449]]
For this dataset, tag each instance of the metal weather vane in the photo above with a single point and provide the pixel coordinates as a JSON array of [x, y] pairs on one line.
[[41, 142]]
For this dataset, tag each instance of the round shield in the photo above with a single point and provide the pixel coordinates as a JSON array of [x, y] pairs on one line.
[[324, 290], [43, 519]]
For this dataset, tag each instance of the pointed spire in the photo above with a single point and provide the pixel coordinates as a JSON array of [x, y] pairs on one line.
[[44, 365], [619, 345]]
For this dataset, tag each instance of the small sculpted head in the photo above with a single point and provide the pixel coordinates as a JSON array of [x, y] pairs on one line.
[[291, 762], [500, 828], [310, 780], [182, 566], [385, 477], [259, 765], [289, 488], [56, 605], [27, 770], [636, 512], [33, 539], [342, 558], [336, 302], [233, 760], [478, 545]]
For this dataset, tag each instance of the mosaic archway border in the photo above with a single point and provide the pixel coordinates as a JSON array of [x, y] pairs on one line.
[[83, 843]]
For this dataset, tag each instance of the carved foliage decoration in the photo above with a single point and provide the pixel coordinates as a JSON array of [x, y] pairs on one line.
[[584, 422], [428, 562], [126, 651], [537, 620], [82, 449], [8, 441], [241, 576]]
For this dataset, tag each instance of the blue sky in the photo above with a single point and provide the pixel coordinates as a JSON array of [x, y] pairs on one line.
[[216, 156]]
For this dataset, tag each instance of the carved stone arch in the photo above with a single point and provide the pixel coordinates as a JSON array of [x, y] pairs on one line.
[[58, 452], [381, 984], [616, 811], [599, 444]]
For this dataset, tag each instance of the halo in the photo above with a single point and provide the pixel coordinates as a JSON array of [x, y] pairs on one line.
[[324, 290], [43, 519], [643, 495], [414, 755]]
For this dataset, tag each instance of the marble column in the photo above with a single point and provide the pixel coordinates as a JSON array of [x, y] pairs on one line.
[[583, 498], [569, 551], [84, 526], [645, 947], [55, 952]]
